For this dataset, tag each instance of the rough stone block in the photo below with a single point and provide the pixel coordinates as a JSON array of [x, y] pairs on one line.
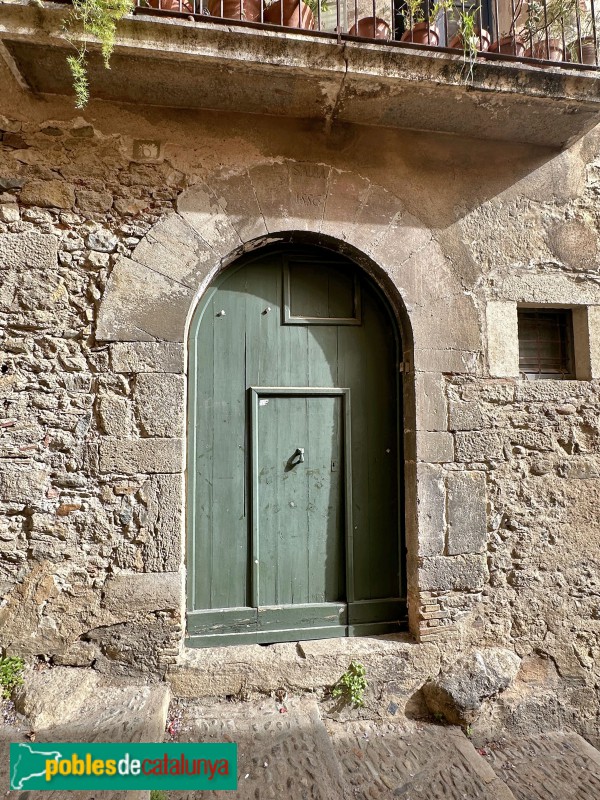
[[133, 647], [91, 202], [541, 440], [9, 212], [28, 250], [445, 573], [460, 690], [467, 517], [128, 594], [159, 399], [581, 468], [130, 357], [132, 456], [431, 501], [162, 548], [465, 416], [432, 414], [48, 194], [478, 446], [546, 391], [502, 339], [115, 416], [434, 447], [22, 484]]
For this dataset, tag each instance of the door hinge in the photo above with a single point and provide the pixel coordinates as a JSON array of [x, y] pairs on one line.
[[404, 366]]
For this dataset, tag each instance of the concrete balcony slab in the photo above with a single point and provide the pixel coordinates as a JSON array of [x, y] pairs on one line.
[[187, 63]]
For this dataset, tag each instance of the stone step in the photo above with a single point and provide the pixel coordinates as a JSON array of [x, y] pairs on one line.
[[80, 705]]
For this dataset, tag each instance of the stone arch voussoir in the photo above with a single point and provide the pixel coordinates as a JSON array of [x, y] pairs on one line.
[[149, 295]]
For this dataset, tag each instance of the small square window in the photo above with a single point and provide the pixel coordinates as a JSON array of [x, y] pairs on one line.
[[546, 343]]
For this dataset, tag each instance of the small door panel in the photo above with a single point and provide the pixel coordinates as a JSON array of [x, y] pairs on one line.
[[300, 499]]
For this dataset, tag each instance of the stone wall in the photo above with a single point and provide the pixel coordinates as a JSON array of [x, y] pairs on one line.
[[75, 522], [105, 248]]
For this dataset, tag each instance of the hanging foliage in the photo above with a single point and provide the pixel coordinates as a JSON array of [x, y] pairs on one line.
[[97, 18]]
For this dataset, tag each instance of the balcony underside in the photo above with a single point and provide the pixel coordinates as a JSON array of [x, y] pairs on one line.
[[185, 64]]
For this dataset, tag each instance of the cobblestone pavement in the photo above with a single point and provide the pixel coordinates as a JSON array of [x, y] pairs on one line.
[[302, 755], [301, 750], [551, 766]]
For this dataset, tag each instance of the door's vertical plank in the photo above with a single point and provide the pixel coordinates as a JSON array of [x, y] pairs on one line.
[[325, 541], [230, 543], [380, 382], [263, 322], [322, 344], [201, 430], [351, 373]]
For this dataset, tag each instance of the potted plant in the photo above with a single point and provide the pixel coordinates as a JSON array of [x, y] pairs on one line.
[[511, 42], [186, 6], [294, 13], [371, 28], [421, 25], [583, 43], [469, 37], [546, 26], [248, 10]]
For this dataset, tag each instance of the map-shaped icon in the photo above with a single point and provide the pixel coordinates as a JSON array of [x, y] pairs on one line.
[[30, 763]]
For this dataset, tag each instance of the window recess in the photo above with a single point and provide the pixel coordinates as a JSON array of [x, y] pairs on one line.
[[546, 344]]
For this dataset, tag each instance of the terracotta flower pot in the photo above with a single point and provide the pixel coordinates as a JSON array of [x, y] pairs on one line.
[[187, 6], [483, 42], [290, 14], [422, 33], [371, 28], [509, 46], [230, 9], [588, 51], [554, 51]]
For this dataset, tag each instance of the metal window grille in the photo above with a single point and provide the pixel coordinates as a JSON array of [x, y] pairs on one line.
[[546, 343]]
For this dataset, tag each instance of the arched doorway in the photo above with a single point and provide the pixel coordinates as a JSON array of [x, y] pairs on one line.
[[294, 456]]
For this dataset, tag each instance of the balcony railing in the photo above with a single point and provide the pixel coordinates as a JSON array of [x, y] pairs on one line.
[[544, 33]]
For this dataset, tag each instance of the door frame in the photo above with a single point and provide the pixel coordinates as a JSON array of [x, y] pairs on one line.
[[255, 393]]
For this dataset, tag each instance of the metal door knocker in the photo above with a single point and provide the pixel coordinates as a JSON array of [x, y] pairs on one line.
[[296, 458]]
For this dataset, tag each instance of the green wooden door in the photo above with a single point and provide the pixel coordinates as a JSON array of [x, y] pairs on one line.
[[293, 468]]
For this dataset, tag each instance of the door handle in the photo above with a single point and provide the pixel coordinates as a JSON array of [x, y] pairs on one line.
[[299, 454]]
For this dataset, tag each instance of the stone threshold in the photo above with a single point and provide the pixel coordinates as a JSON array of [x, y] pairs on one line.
[[302, 666]]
